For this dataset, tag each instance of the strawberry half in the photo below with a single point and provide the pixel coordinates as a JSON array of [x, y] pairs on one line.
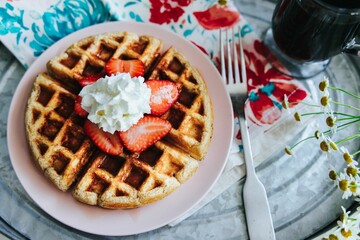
[[135, 67], [89, 80], [144, 133], [107, 142], [78, 108], [163, 95]]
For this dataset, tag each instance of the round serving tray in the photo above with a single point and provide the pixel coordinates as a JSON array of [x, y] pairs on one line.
[[302, 199]]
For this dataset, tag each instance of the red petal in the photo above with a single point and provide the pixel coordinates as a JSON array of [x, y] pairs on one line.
[[217, 17], [294, 92], [264, 109]]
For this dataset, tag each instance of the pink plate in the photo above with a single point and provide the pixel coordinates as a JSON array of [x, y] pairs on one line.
[[96, 220]]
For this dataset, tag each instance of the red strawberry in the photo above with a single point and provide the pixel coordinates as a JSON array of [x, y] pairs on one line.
[[89, 80], [134, 66], [163, 95], [78, 108], [144, 133], [107, 142]]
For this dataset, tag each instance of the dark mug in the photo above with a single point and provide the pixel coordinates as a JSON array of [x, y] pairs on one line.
[[316, 30]]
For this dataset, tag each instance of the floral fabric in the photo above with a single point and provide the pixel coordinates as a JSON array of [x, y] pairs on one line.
[[27, 29], [199, 21]]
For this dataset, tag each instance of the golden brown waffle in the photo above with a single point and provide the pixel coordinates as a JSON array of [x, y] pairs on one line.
[[89, 56], [55, 134], [131, 179], [192, 115]]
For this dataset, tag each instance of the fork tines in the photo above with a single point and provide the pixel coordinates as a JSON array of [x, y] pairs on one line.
[[229, 56]]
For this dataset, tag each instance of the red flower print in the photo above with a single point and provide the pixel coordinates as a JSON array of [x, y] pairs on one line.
[[263, 109], [267, 87], [217, 16], [200, 47], [165, 11], [292, 91]]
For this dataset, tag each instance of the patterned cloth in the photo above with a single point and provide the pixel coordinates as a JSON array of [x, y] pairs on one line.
[[28, 29]]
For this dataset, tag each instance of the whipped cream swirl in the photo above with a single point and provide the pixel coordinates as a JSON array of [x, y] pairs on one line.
[[116, 102]]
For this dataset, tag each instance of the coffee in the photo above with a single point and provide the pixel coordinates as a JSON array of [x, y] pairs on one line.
[[347, 4], [315, 30]]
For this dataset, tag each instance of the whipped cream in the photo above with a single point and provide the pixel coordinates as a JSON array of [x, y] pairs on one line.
[[116, 102]]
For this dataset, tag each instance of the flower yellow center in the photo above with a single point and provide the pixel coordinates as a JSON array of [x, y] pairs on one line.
[[330, 121], [324, 146], [347, 233], [333, 146], [342, 217], [351, 171], [323, 85], [353, 187], [324, 101], [347, 157], [343, 185], [333, 237], [332, 175], [288, 151]]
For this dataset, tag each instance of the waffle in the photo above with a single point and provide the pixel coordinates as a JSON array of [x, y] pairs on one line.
[[89, 56], [55, 134], [69, 158], [191, 116]]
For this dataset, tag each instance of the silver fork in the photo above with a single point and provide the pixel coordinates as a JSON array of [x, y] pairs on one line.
[[257, 210]]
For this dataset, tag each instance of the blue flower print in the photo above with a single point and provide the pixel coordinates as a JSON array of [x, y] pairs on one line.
[[64, 18], [11, 21]]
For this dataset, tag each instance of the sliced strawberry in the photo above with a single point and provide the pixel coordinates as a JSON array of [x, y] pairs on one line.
[[144, 133], [89, 80], [163, 95], [134, 66], [107, 142], [78, 108]]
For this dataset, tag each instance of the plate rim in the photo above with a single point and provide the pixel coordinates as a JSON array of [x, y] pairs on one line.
[[156, 30]]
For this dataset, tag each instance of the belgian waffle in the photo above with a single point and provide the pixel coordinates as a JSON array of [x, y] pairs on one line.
[[89, 56], [191, 116], [55, 134], [68, 157]]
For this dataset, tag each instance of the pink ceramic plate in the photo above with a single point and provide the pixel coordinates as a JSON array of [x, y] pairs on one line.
[[96, 220]]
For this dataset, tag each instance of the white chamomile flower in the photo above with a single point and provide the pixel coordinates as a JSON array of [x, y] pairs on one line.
[[331, 121], [343, 182], [344, 221], [348, 226], [347, 156], [325, 103], [333, 174], [355, 186], [331, 144], [324, 84], [286, 104]]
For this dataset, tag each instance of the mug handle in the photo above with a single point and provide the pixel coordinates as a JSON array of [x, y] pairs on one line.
[[353, 47]]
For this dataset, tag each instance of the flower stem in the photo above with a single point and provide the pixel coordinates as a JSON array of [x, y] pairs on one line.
[[344, 119], [347, 115], [335, 113], [344, 91], [302, 140], [355, 153], [312, 113], [348, 138], [306, 103], [345, 105]]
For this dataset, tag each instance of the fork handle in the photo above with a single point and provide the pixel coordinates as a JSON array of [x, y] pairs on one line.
[[257, 210], [250, 169]]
